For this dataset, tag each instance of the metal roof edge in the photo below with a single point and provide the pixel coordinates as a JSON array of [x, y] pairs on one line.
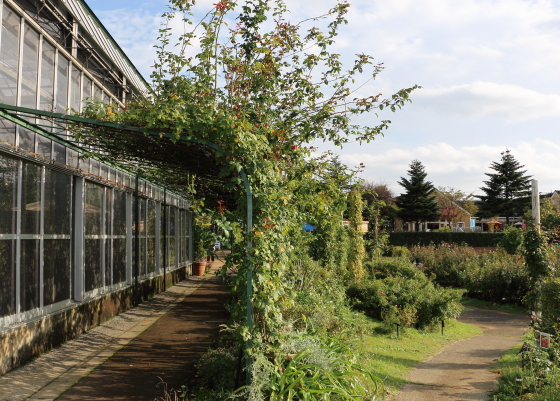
[[106, 33]]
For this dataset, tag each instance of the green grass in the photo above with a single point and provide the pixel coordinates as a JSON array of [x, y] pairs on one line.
[[391, 358], [495, 306]]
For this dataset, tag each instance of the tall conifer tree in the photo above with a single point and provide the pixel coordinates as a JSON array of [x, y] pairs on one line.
[[417, 204], [508, 191]]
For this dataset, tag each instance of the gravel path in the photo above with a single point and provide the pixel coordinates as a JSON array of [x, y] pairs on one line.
[[461, 371]]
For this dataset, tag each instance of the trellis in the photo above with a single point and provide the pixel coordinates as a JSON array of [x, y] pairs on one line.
[[139, 148]]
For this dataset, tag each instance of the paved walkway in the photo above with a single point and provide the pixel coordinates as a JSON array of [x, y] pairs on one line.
[[124, 358], [461, 371]]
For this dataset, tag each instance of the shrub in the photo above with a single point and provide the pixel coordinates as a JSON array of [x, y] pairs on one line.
[[512, 240], [491, 276], [389, 267], [550, 306], [319, 300], [498, 277], [216, 369], [481, 240], [311, 367], [399, 252], [406, 300]]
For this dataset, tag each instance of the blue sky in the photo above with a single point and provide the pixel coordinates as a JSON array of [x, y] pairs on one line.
[[489, 71]]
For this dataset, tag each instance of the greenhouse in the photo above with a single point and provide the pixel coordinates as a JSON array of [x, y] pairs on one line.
[[80, 239]]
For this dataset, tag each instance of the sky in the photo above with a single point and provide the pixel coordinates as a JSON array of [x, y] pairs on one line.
[[489, 71]]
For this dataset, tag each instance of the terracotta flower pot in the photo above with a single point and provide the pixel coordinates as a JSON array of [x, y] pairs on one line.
[[199, 268]]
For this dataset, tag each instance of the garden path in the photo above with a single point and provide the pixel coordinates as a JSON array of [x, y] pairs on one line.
[[129, 356], [461, 370]]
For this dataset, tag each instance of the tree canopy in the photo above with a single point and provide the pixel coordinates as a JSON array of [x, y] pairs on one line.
[[418, 203], [508, 190]]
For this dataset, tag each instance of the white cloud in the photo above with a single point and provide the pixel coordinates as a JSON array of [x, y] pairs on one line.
[[136, 37], [510, 103], [461, 167]]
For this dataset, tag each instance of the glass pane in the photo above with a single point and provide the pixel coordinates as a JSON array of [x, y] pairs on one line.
[[59, 154], [97, 93], [9, 56], [103, 170], [171, 252], [94, 198], [7, 130], [62, 84], [30, 68], [7, 277], [151, 234], [46, 99], [151, 255], [57, 202], [151, 218], [92, 268], [107, 262], [73, 158], [108, 211], [84, 164], [76, 89], [172, 211], [56, 270], [29, 274], [8, 195], [119, 220], [86, 95], [26, 139], [44, 146], [119, 260], [94, 169], [30, 199], [142, 226]]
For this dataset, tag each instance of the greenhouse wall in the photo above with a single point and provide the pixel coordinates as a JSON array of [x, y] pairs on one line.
[[68, 229]]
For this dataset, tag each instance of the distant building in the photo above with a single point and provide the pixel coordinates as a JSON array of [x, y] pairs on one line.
[[452, 216]]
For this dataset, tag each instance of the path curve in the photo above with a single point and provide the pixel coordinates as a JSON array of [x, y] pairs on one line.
[[461, 370]]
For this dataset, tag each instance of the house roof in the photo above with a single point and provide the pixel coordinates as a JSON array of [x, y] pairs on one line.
[[459, 207]]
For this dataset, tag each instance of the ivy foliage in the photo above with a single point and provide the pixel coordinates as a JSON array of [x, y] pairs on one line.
[[257, 95]]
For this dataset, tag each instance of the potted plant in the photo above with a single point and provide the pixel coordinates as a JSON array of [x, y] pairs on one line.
[[203, 242], [199, 263]]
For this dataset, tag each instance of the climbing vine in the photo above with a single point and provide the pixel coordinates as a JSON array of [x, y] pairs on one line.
[[257, 91]]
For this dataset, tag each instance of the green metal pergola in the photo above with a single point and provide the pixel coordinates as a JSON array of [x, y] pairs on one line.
[[58, 127]]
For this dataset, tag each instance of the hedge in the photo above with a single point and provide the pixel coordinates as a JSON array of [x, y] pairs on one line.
[[478, 240]]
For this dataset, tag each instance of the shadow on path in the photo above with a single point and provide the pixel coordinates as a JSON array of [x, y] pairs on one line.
[[166, 351]]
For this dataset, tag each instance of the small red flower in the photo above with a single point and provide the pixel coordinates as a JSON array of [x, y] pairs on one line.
[[222, 6], [294, 147]]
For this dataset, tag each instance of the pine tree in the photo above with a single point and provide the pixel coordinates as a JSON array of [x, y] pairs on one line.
[[508, 191], [417, 204]]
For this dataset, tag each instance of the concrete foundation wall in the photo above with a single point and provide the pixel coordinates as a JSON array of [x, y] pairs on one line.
[[22, 342]]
